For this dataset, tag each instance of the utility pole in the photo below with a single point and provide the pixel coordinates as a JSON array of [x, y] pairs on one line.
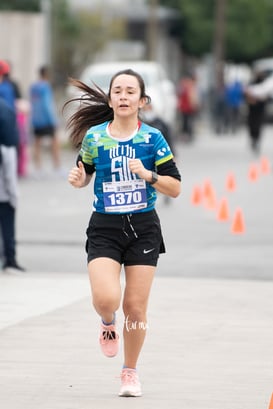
[[152, 30], [46, 10], [219, 40]]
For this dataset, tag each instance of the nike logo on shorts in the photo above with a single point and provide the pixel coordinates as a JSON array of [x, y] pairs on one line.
[[147, 251]]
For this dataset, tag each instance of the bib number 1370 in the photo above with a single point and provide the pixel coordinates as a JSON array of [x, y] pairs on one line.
[[124, 197]]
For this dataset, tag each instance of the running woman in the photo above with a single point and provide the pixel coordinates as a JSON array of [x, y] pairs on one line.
[[131, 161]]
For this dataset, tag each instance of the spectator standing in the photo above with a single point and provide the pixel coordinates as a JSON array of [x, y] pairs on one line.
[[255, 115], [9, 133], [188, 105], [261, 90], [7, 91], [22, 111], [219, 107], [8, 184], [16, 88], [10, 92], [234, 98], [44, 119]]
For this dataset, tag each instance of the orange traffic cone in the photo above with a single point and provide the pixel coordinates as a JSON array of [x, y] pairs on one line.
[[271, 402], [209, 196], [196, 197], [230, 182], [207, 187], [265, 165], [253, 172], [223, 212], [238, 224]]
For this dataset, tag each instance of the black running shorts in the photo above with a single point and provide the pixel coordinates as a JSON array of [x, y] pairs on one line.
[[130, 239], [46, 131]]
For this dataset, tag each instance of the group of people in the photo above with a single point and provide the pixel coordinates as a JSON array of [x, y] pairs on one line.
[[231, 104], [36, 116], [229, 99], [15, 127]]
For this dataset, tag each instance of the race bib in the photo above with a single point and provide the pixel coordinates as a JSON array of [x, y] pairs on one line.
[[124, 196]]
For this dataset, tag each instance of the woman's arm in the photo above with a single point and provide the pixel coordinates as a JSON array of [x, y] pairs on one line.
[[78, 177], [168, 185]]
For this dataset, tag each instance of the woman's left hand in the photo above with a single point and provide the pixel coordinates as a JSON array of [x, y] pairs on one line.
[[136, 166]]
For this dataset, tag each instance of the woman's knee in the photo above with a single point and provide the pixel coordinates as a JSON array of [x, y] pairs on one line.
[[135, 310], [106, 302]]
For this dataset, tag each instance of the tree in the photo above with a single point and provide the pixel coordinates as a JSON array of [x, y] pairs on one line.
[[65, 34], [248, 27], [19, 5], [94, 34]]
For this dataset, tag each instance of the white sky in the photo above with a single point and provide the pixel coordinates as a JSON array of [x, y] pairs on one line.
[[95, 3]]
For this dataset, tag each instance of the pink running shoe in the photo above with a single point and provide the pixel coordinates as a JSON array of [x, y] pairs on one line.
[[109, 340], [130, 385]]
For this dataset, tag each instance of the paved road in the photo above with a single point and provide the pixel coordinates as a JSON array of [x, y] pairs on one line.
[[210, 337], [52, 216]]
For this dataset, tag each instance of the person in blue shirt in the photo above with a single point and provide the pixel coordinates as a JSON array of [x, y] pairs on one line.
[[44, 118], [130, 162], [234, 98]]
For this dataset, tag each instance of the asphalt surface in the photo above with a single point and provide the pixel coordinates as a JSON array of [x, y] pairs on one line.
[[210, 337]]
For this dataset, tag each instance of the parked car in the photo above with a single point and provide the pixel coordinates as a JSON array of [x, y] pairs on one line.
[[158, 86], [264, 65]]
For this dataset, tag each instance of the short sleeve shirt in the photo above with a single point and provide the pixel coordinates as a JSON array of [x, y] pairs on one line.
[[116, 189]]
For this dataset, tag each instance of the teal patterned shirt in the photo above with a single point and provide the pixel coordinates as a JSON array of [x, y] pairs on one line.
[[116, 189]]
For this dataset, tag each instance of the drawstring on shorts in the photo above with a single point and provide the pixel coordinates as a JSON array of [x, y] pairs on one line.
[[128, 217]]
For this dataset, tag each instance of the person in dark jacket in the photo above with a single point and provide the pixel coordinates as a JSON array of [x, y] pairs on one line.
[[255, 115], [8, 187], [9, 130]]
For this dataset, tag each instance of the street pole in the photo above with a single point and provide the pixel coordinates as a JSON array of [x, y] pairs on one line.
[[152, 30], [219, 40], [46, 11]]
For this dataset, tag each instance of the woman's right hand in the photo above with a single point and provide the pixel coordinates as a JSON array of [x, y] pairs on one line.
[[77, 176]]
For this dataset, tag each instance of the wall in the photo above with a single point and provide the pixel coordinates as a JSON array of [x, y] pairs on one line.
[[22, 43]]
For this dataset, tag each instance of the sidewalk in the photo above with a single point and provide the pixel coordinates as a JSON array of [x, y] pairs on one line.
[[209, 346], [210, 337]]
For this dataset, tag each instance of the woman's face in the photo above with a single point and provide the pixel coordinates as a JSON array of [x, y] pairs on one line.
[[125, 96]]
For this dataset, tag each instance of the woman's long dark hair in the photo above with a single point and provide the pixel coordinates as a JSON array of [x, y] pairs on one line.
[[94, 108]]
